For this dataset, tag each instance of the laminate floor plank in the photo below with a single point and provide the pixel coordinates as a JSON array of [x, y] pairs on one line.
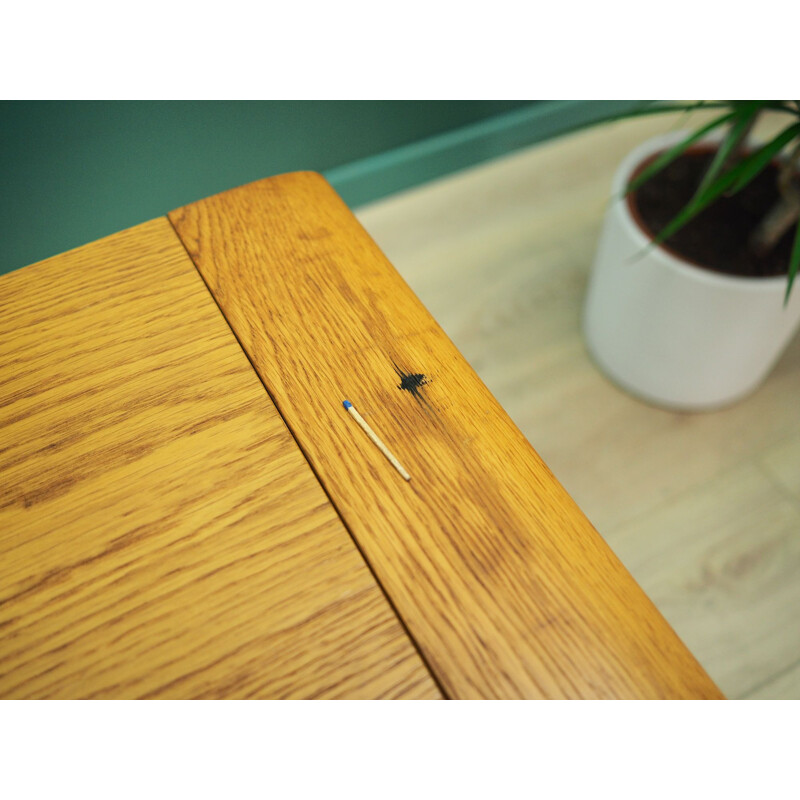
[[721, 562]]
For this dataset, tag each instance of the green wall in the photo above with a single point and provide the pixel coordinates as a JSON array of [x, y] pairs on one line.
[[72, 172]]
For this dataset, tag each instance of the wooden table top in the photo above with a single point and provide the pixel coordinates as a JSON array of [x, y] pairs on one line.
[[160, 532], [187, 511]]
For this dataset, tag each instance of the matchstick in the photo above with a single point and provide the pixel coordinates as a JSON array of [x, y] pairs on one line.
[[372, 435]]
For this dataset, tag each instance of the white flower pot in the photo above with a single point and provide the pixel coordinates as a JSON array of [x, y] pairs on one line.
[[671, 333]]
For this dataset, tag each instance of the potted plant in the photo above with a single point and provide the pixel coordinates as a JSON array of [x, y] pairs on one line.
[[689, 302]]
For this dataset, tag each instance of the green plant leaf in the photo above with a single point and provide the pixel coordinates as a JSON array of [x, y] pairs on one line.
[[772, 105], [794, 264], [651, 107], [674, 152], [733, 180], [745, 114], [758, 160], [656, 107]]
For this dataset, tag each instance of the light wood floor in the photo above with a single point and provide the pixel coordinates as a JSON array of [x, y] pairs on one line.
[[704, 509]]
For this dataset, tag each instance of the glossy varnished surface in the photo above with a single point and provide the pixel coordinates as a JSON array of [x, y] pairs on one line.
[[703, 509], [504, 584], [161, 534]]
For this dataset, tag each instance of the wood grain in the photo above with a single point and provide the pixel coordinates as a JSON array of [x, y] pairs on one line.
[[505, 586], [161, 535], [500, 255]]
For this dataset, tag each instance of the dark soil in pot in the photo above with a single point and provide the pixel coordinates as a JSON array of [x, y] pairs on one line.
[[717, 239]]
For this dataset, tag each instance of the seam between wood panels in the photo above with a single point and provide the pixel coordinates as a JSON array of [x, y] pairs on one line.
[[316, 475]]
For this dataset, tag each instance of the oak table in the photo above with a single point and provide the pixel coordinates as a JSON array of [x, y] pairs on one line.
[[187, 510]]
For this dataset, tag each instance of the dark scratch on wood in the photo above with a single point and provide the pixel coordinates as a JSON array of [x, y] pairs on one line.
[[411, 382]]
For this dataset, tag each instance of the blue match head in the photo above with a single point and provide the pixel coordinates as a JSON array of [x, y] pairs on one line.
[[347, 404]]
